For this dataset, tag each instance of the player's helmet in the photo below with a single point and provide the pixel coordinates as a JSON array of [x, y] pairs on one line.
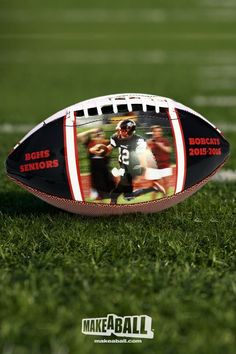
[[127, 126]]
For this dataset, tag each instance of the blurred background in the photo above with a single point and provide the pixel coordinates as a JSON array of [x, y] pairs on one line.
[[56, 53]]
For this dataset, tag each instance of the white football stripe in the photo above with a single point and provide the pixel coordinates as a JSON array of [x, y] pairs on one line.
[[72, 156], [180, 156], [180, 149]]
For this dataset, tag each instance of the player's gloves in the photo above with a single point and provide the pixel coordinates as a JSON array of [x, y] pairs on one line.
[[118, 172]]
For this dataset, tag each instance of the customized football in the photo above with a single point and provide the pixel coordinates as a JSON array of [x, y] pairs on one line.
[[118, 154]]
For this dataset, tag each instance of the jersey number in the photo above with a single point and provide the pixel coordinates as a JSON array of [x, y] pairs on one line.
[[123, 156]]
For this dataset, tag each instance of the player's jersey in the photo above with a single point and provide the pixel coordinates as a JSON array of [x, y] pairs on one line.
[[129, 150], [162, 157]]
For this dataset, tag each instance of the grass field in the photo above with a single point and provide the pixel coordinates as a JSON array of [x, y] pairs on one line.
[[177, 266]]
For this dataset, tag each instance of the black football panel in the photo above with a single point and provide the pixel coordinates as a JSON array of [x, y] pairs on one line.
[[39, 161], [206, 148]]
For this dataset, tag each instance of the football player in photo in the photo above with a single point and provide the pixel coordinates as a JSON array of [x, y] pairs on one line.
[[161, 151], [131, 156], [102, 180]]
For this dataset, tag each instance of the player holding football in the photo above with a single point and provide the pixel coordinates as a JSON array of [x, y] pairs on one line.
[[101, 178], [132, 159]]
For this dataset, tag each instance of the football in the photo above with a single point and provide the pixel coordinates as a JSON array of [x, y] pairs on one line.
[[118, 154]]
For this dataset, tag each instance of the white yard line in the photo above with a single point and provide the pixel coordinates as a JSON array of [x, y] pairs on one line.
[[225, 176], [118, 16], [221, 84], [221, 76], [119, 36], [122, 56], [84, 57], [218, 71], [215, 101], [227, 127], [9, 128], [219, 3], [82, 16]]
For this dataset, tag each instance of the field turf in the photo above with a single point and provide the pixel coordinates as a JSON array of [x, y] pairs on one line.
[[177, 266]]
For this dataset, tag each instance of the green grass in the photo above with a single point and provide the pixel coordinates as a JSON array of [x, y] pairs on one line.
[[177, 266]]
